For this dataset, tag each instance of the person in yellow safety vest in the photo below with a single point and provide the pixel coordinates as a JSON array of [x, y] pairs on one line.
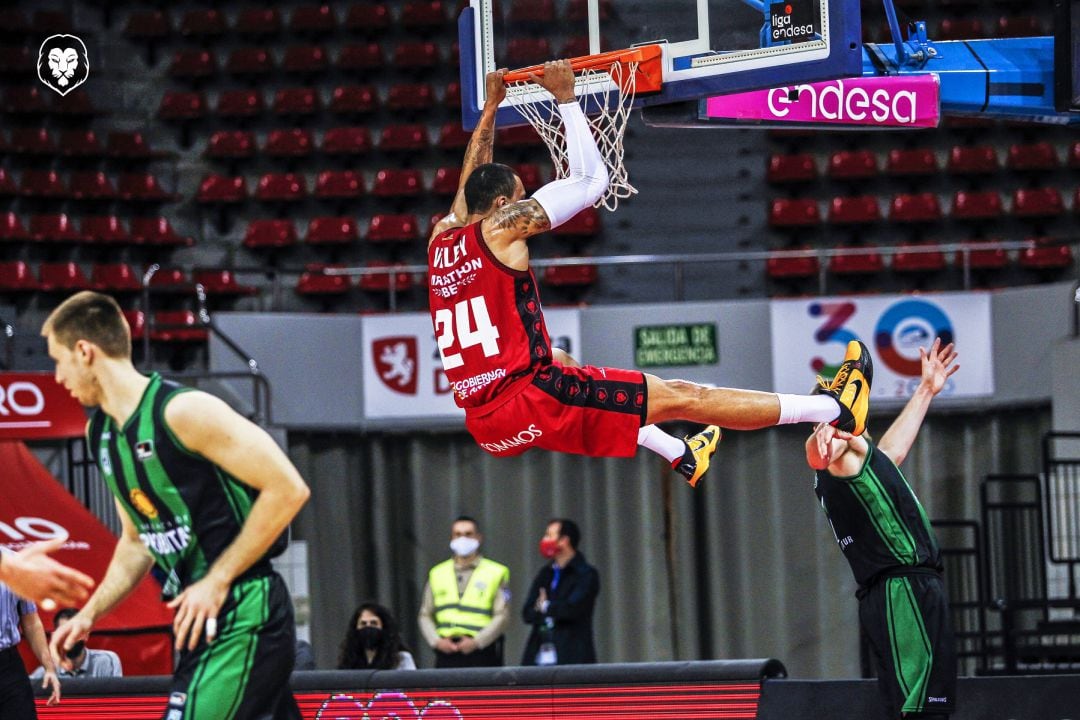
[[466, 603]]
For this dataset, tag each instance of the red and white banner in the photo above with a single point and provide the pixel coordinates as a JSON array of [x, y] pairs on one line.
[[33, 406], [912, 101], [403, 373]]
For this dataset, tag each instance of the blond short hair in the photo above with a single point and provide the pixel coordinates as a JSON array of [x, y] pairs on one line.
[[93, 317]]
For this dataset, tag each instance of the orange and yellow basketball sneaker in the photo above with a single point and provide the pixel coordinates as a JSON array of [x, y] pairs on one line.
[[851, 388], [699, 449]]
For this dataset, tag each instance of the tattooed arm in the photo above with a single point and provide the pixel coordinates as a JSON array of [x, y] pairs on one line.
[[477, 153]]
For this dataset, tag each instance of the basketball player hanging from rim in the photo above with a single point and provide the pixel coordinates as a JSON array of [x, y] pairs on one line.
[[518, 391]]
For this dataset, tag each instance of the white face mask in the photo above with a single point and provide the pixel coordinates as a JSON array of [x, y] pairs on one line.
[[464, 546]]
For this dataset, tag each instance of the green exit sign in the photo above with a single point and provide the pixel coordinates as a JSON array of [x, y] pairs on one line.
[[675, 345]]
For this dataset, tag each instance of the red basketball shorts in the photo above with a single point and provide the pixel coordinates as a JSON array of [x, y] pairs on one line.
[[581, 410]]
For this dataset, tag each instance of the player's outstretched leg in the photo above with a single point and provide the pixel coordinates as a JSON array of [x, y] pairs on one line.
[[851, 388], [699, 450]]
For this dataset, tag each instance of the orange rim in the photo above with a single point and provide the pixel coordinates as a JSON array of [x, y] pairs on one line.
[[649, 70]]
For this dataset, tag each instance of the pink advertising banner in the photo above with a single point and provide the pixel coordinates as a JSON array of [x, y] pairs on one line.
[[911, 101]]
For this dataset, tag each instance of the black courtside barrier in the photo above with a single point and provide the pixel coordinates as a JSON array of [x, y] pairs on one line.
[[711, 689]]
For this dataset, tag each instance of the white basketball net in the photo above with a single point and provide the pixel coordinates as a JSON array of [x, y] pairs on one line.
[[606, 101]]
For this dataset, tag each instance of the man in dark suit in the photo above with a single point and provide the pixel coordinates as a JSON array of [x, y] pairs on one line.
[[560, 603]]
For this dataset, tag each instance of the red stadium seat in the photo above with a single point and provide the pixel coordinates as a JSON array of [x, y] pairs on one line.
[[240, 103], [339, 185], [147, 25], [866, 262], [973, 160], [53, 228], [11, 228], [532, 12], [347, 141], [368, 18], [142, 187], [930, 260], [258, 22], [960, 29], [915, 208], [579, 10], [7, 184], [404, 138], [1074, 155], [976, 205], [572, 276], [794, 212], [394, 183], [42, 184], [16, 275], [62, 276], [296, 101], [76, 103], [104, 229], [519, 136], [1046, 254], [54, 21], [183, 106], [314, 282], [452, 96], [354, 100], [983, 255], [423, 15], [177, 326], [393, 228], [917, 161], [364, 56], [304, 59], [585, 224], [24, 101], [222, 282], [221, 189], [91, 185], [32, 141], [452, 136], [192, 64], [1036, 156], [136, 320], [172, 280], [779, 267], [852, 165], [446, 180], [410, 97], [797, 168], [1019, 26], [1037, 202], [263, 234], [231, 144], [530, 176], [381, 282], [250, 62], [295, 142], [202, 24], [114, 278], [525, 51], [312, 19], [417, 55], [854, 210], [15, 60], [281, 187], [157, 231], [80, 143], [333, 231]]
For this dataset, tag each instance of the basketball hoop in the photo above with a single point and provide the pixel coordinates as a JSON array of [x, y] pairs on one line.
[[606, 86]]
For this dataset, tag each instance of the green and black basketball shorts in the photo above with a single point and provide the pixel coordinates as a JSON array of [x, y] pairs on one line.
[[244, 673]]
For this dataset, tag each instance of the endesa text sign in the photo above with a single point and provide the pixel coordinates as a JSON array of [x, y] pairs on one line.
[[908, 101], [33, 406]]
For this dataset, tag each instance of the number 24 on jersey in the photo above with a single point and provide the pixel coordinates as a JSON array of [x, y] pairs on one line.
[[467, 325]]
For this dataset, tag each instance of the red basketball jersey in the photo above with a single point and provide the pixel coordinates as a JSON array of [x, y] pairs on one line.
[[488, 322]]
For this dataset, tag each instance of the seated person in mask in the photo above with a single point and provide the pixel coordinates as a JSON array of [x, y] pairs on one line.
[[372, 642], [81, 661]]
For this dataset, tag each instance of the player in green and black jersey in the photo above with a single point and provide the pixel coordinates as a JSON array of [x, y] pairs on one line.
[[203, 494], [886, 537]]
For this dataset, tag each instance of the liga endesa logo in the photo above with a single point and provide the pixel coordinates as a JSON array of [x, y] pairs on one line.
[[893, 101]]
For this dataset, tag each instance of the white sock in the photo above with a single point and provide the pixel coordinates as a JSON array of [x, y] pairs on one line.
[[664, 445], [807, 408]]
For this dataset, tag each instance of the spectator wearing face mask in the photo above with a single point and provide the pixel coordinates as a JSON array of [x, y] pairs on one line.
[[466, 603], [81, 661], [561, 599], [372, 642]]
